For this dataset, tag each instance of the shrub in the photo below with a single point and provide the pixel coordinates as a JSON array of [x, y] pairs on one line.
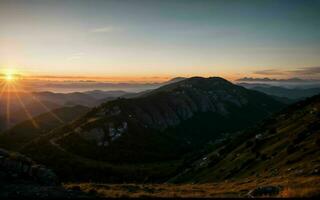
[[318, 142], [249, 144], [291, 149], [264, 157], [92, 191], [300, 137], [76, 188]]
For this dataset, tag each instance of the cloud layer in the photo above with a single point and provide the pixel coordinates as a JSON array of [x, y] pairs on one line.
[[304, 71]]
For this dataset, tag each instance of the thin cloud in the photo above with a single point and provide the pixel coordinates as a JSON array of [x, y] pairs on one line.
[[269, 72], [251, 79], [15, 75], [106, 29], [307, 71], [303, 71], [75, 56]]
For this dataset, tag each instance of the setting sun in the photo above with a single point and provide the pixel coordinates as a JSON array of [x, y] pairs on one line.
[[9, 75]]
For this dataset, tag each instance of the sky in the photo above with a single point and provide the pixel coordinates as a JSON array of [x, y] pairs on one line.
[[149, 39]]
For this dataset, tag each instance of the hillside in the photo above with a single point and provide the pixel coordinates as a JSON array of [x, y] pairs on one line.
[[21, 177], [168, 121], [277, 158], [287, 145], [24, 132], [19, 110]]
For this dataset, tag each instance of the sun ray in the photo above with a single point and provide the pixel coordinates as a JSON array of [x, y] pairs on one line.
[[4, 87], [44, 106], [8, 116], [2, 82], [10, 85], [34, 123]]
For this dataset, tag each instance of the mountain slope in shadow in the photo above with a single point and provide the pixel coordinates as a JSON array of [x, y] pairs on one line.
[[286, 145]]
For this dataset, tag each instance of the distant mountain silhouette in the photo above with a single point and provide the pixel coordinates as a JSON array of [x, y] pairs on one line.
[[32, 104], [291, 93], [249, 79]]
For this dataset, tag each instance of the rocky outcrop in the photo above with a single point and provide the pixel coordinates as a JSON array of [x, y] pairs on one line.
[[103, 135], [16, 165]]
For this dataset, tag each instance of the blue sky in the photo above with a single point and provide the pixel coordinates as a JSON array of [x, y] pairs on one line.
[[160, 38]]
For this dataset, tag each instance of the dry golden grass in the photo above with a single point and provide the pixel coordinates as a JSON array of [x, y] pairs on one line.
[[302, 187], [292, 187], [300, 192]]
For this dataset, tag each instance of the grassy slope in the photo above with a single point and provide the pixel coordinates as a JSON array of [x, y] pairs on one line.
[[71, 167], [291, 187], [289, 145], [286, 156]]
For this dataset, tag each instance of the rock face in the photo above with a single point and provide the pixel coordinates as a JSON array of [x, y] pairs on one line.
[[17, 165]]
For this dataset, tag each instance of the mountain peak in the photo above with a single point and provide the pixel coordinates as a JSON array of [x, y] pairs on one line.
[[176, 79], [197, 82], [203, 80]]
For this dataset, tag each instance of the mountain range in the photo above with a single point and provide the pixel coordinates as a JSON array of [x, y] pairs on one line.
[[161, 126], [194, 130]]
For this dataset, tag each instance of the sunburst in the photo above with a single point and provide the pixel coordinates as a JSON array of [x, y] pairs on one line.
[[10, 75], [11, 85]]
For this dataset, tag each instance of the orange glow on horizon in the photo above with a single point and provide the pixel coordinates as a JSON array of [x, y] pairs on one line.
[[13, 75], [120, 79]]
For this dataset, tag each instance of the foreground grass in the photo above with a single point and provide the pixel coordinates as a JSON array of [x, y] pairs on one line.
[[291, 187]]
